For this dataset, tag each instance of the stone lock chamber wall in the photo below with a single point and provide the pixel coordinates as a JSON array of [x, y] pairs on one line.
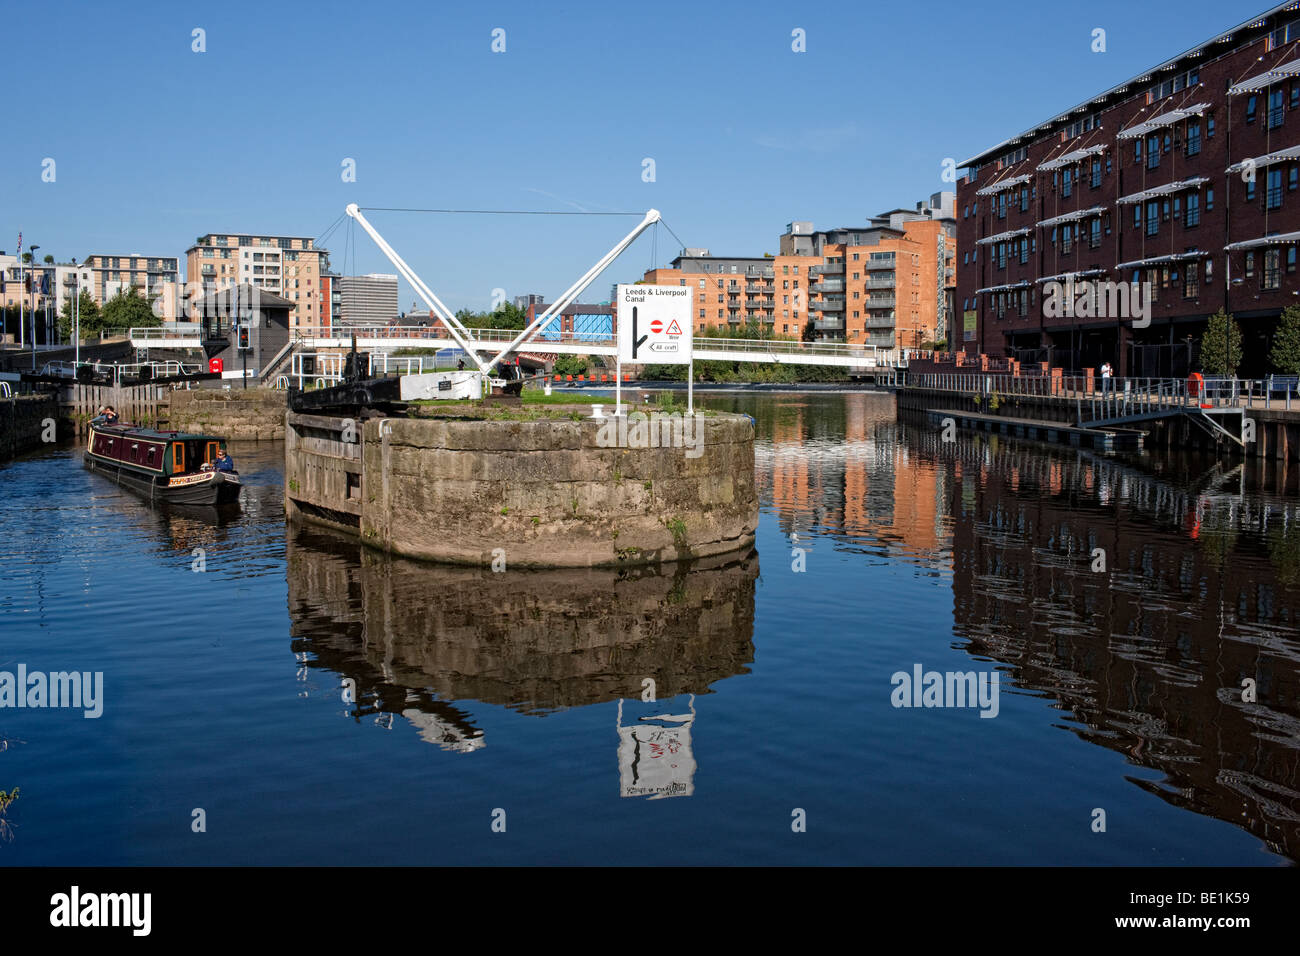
[[536, 493]]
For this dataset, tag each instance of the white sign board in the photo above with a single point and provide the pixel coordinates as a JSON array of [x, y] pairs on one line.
[[654, 324]]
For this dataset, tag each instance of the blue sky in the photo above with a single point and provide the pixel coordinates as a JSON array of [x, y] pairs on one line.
[[155, 144]]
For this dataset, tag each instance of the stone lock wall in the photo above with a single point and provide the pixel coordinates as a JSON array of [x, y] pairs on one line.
[[253, 414], [546, 494], [23, 419]]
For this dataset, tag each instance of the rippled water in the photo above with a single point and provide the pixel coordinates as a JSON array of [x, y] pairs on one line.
[[325, 704]]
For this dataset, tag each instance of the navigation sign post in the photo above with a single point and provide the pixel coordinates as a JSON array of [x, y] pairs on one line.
[[654, 328]]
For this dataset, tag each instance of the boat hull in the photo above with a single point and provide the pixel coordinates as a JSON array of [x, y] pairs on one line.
[[205, 488]]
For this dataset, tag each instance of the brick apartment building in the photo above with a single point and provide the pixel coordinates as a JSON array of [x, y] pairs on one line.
[[1186, 177], [889, 283]]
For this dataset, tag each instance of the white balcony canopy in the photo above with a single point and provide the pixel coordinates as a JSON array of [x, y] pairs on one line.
[[1003, 236], [1156, 260], [1071, 157], [1165, 190], [1067, 276], [1282, 239], [1161, 121], [1022, 284], [1279, 156], [998, 187], [1072, 216], [1266, 79]]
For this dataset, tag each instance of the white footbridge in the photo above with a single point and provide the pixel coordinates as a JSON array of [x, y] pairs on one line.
[[486, 348]]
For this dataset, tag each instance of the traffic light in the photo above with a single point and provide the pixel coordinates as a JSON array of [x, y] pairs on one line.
[[244, 338]]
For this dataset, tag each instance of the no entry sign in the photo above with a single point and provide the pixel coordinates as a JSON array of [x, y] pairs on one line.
[[654, 324]]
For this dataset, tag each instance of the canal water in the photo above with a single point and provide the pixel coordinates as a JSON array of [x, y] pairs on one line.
[[283, 696]]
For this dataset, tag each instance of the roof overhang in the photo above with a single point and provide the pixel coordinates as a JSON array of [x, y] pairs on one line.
[[1281, 239], [1165, 190], [1072, 216]]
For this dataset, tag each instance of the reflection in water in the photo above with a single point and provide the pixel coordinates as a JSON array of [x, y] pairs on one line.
[[655, 758], [416, 637], [1150, 603]]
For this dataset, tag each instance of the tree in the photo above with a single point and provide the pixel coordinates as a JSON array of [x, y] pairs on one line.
[[128, 309], [49, 260], [1286, 343], [91, 321], [570, 365], [1221, 345]]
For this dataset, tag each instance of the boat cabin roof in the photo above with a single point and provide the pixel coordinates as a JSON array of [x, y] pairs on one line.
[[132, 430]]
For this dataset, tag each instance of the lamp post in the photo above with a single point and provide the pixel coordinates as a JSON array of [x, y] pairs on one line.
[[31, 250]]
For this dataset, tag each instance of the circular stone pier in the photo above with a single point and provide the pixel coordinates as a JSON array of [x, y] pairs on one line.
[[521, 486]]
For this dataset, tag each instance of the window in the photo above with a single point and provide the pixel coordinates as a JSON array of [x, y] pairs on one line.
[[1290, 259], [1209, 127], [1137, 215], [1272, 268], [1094, 239], [1193, 139], [1250, 190], [1137, 150], [1002, 205], [1191, 287], [1153, 152], [1024, 198], [1275, 108], [1250, 265], [1067, 238], [1024, 251], [1153, 218], [1251, 105], [1209, 202], [1292, 179], [1295, 95], [1273, 198], [1193, 210], [1067, 182], [1096, 173]]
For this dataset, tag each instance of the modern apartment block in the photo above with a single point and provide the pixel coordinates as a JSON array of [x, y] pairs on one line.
[[367, 300], [288, 266], [889, 283], [44, 288], [1186, 177], [156, 277], [729, 290]]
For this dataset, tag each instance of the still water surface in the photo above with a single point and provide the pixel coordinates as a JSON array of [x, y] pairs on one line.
[[879, 549]]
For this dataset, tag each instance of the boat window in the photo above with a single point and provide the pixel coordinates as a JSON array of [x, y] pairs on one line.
[[178, 457], [153, 454], [212, 452]]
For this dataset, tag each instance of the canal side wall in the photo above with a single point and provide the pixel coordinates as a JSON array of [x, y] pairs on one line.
[[539, 493], [253, 414], [23, 422]]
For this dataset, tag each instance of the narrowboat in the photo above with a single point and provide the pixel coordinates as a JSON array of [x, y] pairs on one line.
[[176, 467]]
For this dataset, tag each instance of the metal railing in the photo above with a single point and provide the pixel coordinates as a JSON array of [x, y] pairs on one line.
[[1120, 397]]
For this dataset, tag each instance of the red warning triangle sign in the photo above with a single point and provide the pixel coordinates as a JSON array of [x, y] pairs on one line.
[[674, 329]]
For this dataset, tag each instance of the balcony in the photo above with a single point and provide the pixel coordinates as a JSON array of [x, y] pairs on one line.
[[830, 303], [828, 285], [881, 282], [878, 322], [880, 302], [828, 325], [883, 341], [828, 269], [876, 264], [757, 287]]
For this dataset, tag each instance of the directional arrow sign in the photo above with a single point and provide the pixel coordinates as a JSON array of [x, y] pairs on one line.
[[654, 324]]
